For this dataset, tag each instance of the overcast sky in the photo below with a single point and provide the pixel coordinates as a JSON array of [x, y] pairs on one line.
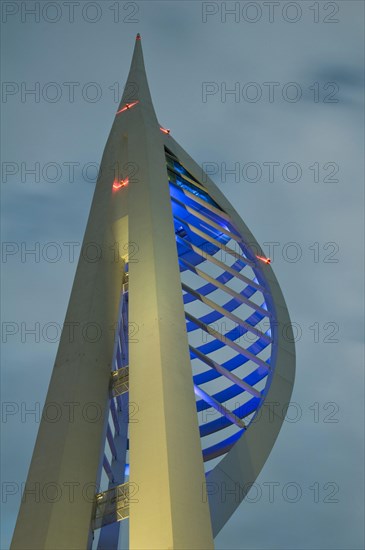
[[297, 70]]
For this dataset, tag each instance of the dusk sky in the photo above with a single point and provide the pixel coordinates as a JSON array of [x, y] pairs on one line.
[[294, 132]]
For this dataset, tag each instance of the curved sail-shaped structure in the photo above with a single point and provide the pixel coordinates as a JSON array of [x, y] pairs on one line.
[[202, 346]]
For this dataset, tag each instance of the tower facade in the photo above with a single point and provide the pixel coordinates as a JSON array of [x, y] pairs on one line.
[[162, 411]]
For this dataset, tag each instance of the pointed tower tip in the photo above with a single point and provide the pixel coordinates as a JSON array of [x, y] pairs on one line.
[[136, 88]]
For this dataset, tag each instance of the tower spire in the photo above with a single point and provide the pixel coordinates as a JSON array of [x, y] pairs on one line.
[[137, 88]]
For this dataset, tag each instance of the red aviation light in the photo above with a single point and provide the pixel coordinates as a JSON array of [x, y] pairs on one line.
[[263, 259], [119, 184], [126, 107], [165, 130], [138, 37]]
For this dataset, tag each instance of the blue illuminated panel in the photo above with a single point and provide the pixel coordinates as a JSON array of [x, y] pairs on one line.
[[198, 234]]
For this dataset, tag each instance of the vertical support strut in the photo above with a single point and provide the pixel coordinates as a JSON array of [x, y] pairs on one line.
[[55, 511], [169, 509]]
